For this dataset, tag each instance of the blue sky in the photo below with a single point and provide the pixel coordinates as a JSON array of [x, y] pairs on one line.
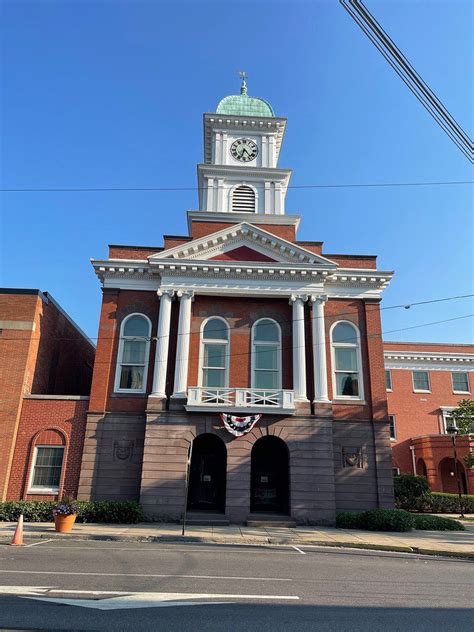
[[111, 94]]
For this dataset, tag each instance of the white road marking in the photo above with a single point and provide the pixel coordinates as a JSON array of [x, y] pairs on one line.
[[123, 600], [299, 550], [162, 575], [36, 543], [156, 600]]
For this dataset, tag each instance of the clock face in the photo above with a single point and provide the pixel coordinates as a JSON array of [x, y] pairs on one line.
[[244, 149]]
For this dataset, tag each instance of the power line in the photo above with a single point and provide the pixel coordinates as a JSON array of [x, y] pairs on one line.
[[282, 321], [392, 54], [354, 185]]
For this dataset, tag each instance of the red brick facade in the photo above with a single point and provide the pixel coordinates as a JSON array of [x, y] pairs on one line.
[[42, 352], [419, 417]]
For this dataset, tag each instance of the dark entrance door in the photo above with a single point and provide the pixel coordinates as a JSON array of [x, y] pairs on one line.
[[270, 476], [207, 474]]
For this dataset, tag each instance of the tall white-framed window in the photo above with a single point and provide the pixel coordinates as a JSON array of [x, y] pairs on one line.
[[133, 354], [446, 419], [46, 469], [460, 380], [421, 382], [346, 361], [243, 199], [214, 356], [266, 354], [393, 427], [388, 380]]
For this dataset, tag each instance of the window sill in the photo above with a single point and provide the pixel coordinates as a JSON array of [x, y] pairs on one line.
[[43, 492], [128, 394], [393, 438], [420, 391], [461, 392], [357, 402], [389, 390]]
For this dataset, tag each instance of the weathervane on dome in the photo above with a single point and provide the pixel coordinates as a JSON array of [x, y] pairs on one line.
[[243, 76]]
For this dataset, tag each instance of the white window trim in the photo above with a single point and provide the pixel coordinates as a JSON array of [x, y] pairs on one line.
[[420, 390], [213, 341], [445, 413], [360, 374], [38, 489], [118, 368], [389, 390], [394, 417], [263, 342], [466, 373]]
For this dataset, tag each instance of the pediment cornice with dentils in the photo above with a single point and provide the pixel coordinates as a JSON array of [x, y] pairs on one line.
[[244, 235]]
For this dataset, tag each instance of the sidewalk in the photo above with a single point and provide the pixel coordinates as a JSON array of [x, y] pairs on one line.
[[452, 543]]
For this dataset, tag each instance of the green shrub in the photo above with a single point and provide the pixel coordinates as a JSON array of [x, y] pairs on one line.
[[107, 511], [377, 520], [410, 491], [436, 523], [449, 503]]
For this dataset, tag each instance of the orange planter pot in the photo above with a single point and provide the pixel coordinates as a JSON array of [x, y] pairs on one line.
[[64, 524]]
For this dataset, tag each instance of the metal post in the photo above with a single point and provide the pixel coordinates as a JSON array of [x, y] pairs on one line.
[[456, 469], [186, 489]]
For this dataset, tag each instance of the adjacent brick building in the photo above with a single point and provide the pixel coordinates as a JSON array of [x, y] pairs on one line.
[[46, 365], [424, 382]]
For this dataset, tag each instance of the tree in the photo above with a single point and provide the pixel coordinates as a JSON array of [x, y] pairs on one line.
[[463, 419], [463, 416]]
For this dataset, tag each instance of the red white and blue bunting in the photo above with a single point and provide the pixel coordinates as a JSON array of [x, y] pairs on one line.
[[239, 426]]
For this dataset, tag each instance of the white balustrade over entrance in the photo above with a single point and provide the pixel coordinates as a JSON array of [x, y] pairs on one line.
[[244, 400]]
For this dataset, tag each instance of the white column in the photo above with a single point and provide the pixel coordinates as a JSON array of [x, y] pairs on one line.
[[271, 151], [319, 349], [299, 355], [182, 347], [224, 149], [268, 194], [162, 344], [277, 208], [210, 195], [220, 196]]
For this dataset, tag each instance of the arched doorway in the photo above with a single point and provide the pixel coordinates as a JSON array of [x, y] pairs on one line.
[[421, 468], [207, 474], [270, 484], [447, 475]]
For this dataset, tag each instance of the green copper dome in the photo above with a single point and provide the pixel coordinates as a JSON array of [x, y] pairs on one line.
[[243, 105]]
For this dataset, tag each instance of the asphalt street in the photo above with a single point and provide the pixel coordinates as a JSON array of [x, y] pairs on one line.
[[135, 586]]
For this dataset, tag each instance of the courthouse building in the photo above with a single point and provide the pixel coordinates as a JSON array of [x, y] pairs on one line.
[[253, 354]]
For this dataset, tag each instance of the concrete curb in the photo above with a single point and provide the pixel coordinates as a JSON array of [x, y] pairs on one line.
[[262, 541]]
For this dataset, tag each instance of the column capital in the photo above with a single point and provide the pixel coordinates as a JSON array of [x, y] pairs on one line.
[[167, 292], [185, 293], [298, 297], [318, 298]]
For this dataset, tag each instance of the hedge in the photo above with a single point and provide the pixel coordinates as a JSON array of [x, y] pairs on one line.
[[377, 520], [437, 523], [108, 511], [412, 493]]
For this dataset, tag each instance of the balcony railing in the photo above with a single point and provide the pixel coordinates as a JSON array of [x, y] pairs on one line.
[[245, 400]]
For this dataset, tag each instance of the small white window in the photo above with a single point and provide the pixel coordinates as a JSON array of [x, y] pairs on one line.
[[215, 353], [393, 429], [266, 355], [396, 471], [46, 469], [133, 354], [460, 382], [421, 382], [346, 361], [388, 379], [243, 199]]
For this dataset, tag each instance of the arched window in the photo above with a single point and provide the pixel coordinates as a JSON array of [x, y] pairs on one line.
[[346, 361], [133, 354], [266, 354], [215, 353], [243, 199], [47, 462]]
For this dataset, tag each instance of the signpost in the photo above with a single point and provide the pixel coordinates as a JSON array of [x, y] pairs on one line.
[[186, 488]]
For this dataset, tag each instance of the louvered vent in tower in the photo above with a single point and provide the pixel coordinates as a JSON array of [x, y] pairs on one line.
[[243, 199]]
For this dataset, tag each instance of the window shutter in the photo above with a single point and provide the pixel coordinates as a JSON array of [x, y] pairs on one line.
[[243, 199]]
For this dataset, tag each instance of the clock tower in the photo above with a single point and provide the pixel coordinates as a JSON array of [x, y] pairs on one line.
[[240, 173]]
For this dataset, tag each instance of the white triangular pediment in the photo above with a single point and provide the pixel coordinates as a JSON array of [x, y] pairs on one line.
[[248, 236]]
